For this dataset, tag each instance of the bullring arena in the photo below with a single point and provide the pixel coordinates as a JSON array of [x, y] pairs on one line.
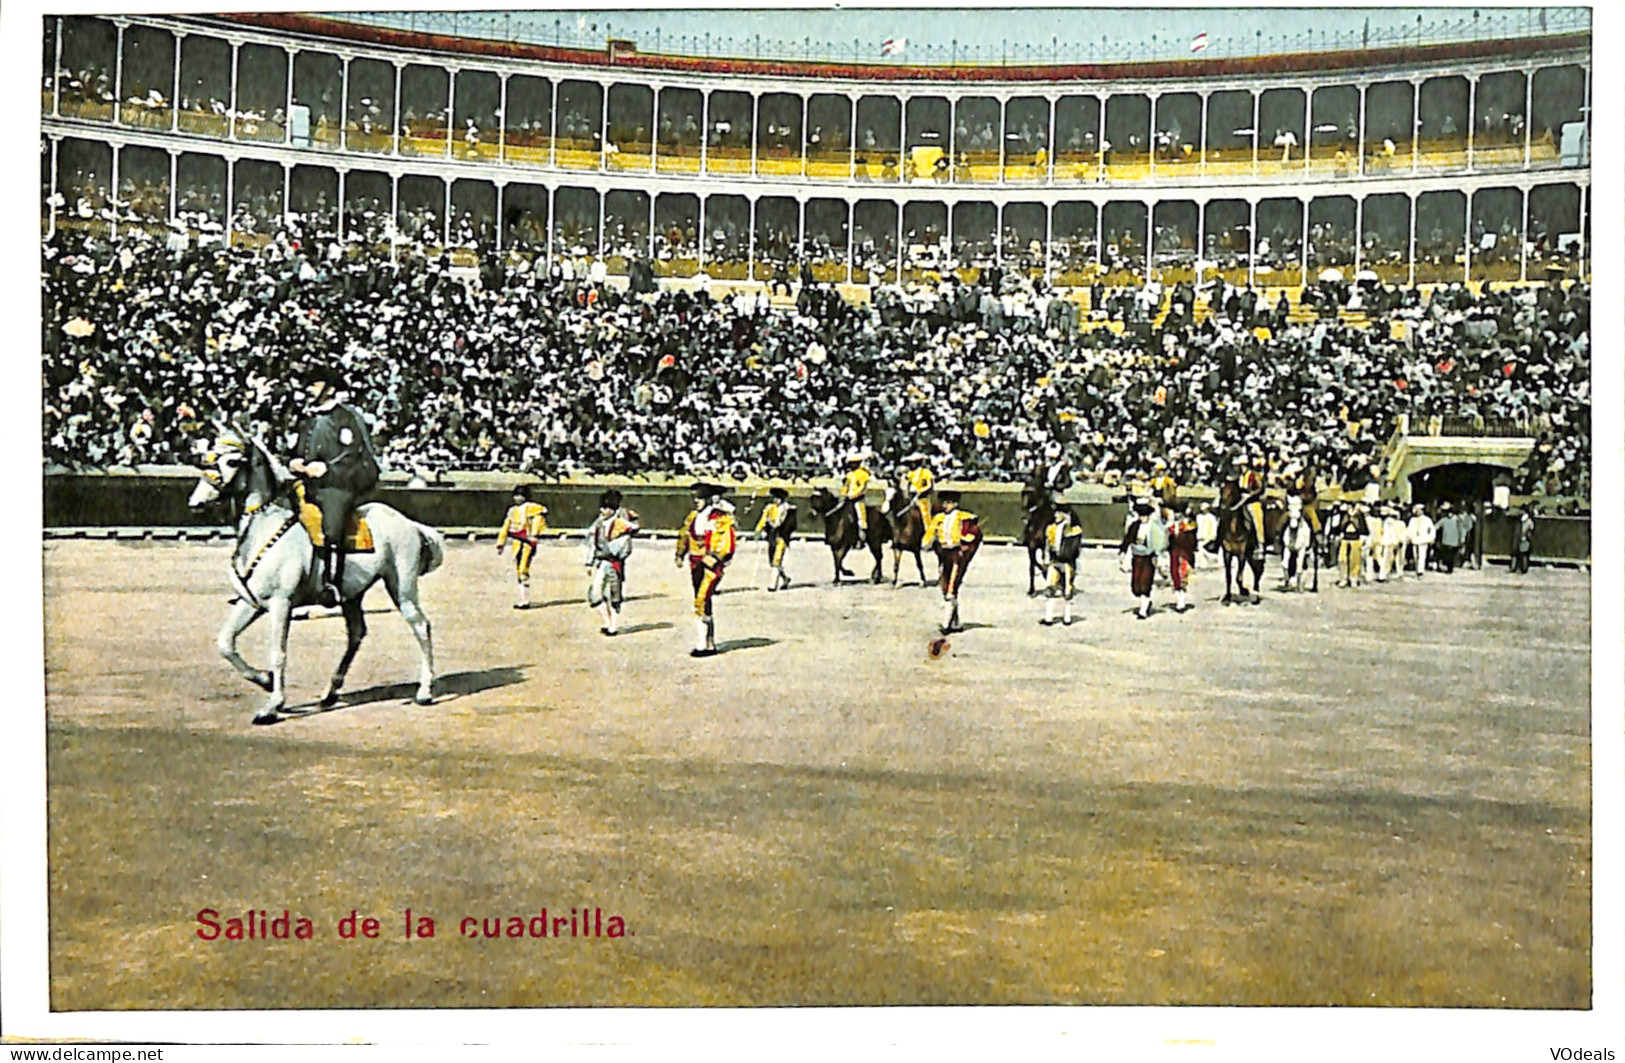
[[1377, 796], [1349, 262]]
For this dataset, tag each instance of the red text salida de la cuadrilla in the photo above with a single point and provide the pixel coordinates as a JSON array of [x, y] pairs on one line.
[[259, 924]]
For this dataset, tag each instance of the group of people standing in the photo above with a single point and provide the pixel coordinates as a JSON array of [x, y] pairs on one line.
[[1377, 543]]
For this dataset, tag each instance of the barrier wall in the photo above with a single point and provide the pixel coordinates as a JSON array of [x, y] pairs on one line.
[[158, 500]]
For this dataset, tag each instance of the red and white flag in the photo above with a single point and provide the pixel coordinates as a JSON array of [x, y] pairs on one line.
[[1199, 42], [893, 45]]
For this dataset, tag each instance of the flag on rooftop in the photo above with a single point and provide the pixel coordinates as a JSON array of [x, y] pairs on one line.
[[1199, 42], [893, 45]]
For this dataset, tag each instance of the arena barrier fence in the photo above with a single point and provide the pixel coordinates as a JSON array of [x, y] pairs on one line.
[[137, 504]]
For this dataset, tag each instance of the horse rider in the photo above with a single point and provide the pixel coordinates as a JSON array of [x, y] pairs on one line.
[[1053, 478], [337, 465], [1295, 545], [1063, 539], [919, 481], [853, 487], [524, 524], [1251, 481], [1301, 483], [609, 545], [1162, 482], [707, 542], [778, 523], [956, 535]]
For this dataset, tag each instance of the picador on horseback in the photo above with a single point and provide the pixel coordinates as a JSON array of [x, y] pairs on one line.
[[908, 508], [919, 482], [1041, 495], [853, 486], [336, 464], [1053, 478], [1250, 479]]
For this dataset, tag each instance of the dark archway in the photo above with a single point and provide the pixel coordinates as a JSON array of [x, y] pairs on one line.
[[1463, 482]]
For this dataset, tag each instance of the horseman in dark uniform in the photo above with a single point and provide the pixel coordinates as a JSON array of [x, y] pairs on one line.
[[336, 462], [1051, 480]]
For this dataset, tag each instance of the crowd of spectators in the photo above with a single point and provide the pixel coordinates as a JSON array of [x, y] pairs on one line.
[[541, 366]]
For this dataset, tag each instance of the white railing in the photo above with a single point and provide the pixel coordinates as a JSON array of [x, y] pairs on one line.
[[548, 28]]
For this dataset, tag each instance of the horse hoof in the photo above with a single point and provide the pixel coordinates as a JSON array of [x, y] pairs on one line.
[[265, 718], [420, 698], [329, 699], [263, 681]]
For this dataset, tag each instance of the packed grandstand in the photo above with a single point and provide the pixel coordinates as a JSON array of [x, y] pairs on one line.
[[548, 260]]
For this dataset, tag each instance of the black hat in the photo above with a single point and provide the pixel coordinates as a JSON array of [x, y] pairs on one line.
[[701, 489], [1144, 506], [610, 499], [948, 496], [323, 372], [523, 491], [779, 493]]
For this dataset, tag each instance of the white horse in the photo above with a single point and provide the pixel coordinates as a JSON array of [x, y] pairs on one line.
[[1297, 547], [274, 570]]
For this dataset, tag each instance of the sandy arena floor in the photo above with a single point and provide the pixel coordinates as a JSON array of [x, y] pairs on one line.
[[1371, 797]]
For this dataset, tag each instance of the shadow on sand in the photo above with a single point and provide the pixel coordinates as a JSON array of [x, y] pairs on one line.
[[446, 687], [754, 642], [556, 602]]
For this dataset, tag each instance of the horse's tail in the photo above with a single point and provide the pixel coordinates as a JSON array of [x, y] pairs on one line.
[[432, 549]]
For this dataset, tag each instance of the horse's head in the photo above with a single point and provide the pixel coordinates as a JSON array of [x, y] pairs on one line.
[[235, 467], [224, 470], [821, 501]]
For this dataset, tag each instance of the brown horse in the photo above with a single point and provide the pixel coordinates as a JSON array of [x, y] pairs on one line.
[[1040, 512], [841, 530], [1238, 541], [908, 533]]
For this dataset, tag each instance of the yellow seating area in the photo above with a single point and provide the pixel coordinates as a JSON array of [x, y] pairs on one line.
[[528, 154], [779, 166], [626, 159], [728, 160], [568, 157], [428, 146], [205, 124], [667, 162]]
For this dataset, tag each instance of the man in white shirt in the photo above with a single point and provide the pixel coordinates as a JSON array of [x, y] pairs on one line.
[[1207, 530], [1422, 533], [1395, 537], [1375, 544]]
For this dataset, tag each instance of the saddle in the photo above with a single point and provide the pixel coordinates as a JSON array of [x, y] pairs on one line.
[[357, 534]]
